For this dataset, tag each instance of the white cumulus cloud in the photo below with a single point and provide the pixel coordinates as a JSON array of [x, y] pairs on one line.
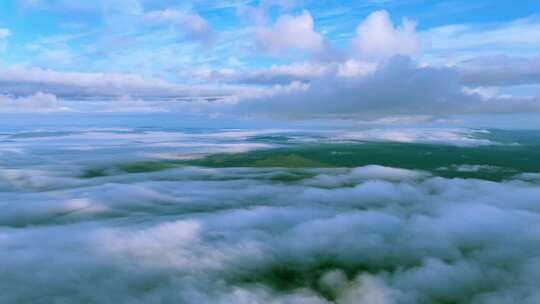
[[290, 33], [377, 37]]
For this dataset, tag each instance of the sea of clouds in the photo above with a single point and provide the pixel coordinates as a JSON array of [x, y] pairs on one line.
[[373, 234]]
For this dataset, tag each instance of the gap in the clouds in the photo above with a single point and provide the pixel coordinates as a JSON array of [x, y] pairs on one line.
[[515, 152], [493, 163], [287, 276]]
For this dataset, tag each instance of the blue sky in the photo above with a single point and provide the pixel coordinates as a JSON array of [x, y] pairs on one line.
[[80, 35], [133, 54]]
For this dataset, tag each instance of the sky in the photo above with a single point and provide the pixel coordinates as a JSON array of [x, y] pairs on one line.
[[375, 60]]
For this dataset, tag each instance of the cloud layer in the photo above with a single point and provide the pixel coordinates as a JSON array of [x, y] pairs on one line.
[[370, 234], [22, 81], [37, 103], [399, 87]]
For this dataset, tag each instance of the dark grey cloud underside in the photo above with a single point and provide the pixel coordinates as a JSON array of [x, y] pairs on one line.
[[396, 88], [500, 71]]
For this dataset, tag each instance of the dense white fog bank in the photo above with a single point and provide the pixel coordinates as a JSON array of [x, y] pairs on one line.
[[197, 235]]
